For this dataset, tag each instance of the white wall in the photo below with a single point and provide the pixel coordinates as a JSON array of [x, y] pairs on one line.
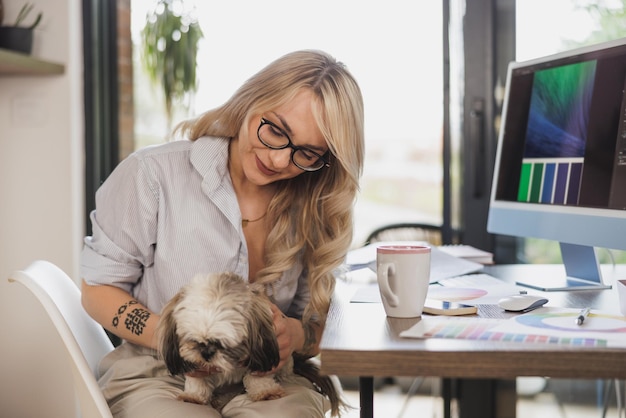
[[41, 147], [41, 206]]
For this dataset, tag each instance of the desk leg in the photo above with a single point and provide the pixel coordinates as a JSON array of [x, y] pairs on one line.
[[366, 395], [489, 398], [446, 394]]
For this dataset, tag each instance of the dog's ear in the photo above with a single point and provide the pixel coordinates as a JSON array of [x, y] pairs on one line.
[[168, 342], [262, 344]]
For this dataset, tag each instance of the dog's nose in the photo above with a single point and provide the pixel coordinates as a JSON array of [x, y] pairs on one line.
[[207, 352]]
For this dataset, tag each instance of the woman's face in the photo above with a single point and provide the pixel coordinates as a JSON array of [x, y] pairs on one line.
[[262, 165]]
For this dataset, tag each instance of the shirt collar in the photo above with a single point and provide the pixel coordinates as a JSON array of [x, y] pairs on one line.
[[209, 156]]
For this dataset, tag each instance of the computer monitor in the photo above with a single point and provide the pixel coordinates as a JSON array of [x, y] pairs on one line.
[[560, 171]]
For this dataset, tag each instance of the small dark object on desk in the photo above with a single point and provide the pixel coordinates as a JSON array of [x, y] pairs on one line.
[[522, 303]]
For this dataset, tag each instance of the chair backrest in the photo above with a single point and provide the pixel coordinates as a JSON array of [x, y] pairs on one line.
[[406, 232], [84, 339]]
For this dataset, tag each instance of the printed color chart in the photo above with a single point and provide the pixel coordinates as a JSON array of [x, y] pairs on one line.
[[481, 330], [541, 326]]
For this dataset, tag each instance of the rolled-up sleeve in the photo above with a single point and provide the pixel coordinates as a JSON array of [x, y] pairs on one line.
[[124, 227]]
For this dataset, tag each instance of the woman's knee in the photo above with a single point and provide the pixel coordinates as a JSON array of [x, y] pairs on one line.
[[159, 405], [299, 402]]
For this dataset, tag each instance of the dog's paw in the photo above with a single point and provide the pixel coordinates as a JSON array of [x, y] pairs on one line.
[[262, 388], [185, 397]]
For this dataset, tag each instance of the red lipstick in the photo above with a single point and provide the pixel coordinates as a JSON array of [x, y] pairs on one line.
[[263, 169]]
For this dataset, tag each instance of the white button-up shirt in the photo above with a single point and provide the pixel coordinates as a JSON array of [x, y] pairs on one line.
[[168, 213]]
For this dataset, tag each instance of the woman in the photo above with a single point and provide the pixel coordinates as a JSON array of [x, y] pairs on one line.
[[264, 187]]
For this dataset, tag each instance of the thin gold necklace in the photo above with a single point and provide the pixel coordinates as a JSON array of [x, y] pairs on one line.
[[245, 222]]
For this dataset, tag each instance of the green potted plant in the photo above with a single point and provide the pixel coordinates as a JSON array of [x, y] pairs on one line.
[[19, 36], [169, 52]]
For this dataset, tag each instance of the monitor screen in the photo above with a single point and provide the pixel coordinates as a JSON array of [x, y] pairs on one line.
[[560, 170]]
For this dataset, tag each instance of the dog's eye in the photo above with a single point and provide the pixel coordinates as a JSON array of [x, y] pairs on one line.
[[210, 343], [215, 343]]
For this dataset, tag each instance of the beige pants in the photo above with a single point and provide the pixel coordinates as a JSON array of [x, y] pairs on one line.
[[137, 384]]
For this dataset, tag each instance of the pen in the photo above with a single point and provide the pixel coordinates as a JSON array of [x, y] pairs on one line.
[[582, 315]]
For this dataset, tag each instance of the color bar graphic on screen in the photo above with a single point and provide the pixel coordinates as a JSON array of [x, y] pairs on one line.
[[551, 181]]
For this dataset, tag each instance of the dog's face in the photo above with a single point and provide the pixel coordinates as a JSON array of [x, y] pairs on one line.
[[217, 321]]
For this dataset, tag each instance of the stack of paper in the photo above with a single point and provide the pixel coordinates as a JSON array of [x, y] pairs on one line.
[[468, 252]]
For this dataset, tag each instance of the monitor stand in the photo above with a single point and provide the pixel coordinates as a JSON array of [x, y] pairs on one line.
[[582, 272]]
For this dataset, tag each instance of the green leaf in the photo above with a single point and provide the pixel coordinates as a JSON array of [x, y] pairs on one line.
[[169, 63]]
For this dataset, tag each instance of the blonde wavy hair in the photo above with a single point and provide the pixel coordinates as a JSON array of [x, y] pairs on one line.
[[312, 212]]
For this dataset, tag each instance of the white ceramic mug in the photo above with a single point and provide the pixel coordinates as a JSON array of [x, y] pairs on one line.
[[403, 273]]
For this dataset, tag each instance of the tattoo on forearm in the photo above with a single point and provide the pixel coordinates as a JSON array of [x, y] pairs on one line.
[[135, 320], [121, 310]]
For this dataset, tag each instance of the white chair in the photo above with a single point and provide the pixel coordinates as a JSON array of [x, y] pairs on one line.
[[84, 339]]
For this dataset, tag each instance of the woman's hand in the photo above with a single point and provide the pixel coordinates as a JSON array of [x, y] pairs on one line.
[[289, 334], [286, 333]]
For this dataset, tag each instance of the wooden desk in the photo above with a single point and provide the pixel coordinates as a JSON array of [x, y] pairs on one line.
[[360, 340]]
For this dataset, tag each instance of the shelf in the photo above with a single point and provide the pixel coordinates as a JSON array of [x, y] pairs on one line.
[[15, 63]]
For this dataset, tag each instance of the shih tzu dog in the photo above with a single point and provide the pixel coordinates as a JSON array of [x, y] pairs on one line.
[[218, 322]]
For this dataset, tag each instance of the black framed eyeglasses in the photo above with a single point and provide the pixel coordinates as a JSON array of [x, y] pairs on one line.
[[275, 138]]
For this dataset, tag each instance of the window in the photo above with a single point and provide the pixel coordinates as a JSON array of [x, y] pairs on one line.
[[394, 50]]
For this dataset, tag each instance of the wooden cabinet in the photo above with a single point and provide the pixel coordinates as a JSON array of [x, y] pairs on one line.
[[15, 63]]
